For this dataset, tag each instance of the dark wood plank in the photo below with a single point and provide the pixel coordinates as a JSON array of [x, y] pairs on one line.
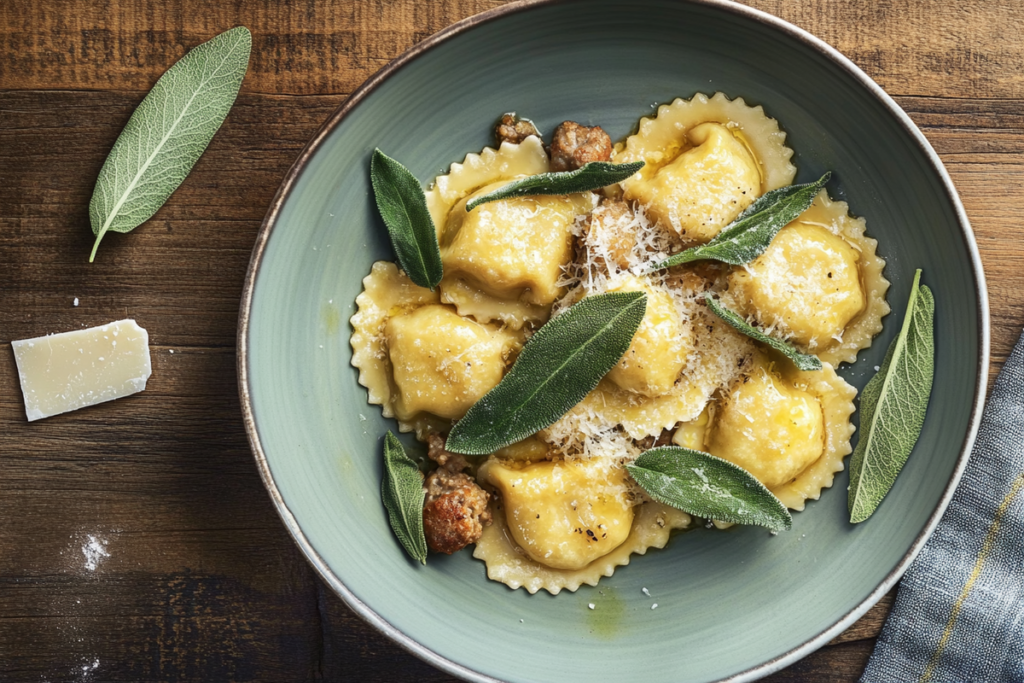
[[300, 47], [202, 582], [956, 50], [844, 662], [869, 625]]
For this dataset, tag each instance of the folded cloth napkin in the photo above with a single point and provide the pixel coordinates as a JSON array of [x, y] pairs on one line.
[[959, 613]]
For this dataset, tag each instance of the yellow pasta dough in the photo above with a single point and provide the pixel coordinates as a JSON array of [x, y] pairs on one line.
[[706, 159], [563, 514], [704, 188], [791, 283], [807, 285], [472, 302], [720, 355], [690, 434], [789, 428], [769, 429], [512, 248], [659, 139], [508, 563], [836, 399], [660, 347], [386, 291], [442, 362], [500, 272], [476, 170]]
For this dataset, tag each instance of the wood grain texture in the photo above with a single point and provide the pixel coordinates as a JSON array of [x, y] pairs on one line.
[[201, 581]]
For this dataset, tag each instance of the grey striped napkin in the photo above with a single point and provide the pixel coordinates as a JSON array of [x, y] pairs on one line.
[[959, 613]]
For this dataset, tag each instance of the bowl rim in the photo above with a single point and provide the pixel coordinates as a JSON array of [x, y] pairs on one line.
[[295, 171]]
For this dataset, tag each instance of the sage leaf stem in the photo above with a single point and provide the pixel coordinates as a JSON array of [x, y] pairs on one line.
[[709, 487], [803, 361], [167, 133], [749, 235], [403, 494], [557, 367], [403, 207], [592, 176], [893, 406]]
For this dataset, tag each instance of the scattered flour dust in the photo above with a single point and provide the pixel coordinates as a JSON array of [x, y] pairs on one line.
[[95, 551], [83, 560], [87, 670]]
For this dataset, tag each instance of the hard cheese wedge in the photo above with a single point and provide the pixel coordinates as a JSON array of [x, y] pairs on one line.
[[68, 371]]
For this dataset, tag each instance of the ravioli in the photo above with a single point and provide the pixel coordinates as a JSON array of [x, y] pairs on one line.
[[507, 563], [500, 268], [772, 430], [836, 399], [512, 249], [721, 354], [788, 427], [806, 285], [704, 188], [706, 159], [472, 302], [819, 284], [443, 363], [386, 292], [562, 514]]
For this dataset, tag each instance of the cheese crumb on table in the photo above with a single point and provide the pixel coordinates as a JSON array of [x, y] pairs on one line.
[[71, 370]]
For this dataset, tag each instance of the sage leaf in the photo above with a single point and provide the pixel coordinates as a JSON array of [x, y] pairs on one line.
[[803, 361], [167, 133], [403, 207], [402, 492], [557, 367], [592, 176], [706, 486], [749, 235], [893, 406]]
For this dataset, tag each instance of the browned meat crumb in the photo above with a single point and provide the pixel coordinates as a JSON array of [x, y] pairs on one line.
[[573, 146], [649, 442], [455, 509], [453, 462], [605, 226], [513, 129]]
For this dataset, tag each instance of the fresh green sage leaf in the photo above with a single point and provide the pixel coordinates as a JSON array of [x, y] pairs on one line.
[[749, 235], [706, 486], [557, 367], [167, 133], [803, 361], [592, 176], [893, 406], [403, 494], [403, 206]]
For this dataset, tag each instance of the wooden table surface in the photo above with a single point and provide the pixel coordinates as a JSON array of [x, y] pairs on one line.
[[137, 542]]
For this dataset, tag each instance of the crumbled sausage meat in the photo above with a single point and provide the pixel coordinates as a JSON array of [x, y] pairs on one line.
[[436, 451], [455, 509], [514, 130], [573, 145], [649, 442]]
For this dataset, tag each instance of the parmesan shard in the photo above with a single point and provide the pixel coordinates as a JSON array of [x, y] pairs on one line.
[[71, 370]]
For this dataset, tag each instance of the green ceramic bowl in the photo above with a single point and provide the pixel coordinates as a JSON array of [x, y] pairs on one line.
[[734, 605]]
